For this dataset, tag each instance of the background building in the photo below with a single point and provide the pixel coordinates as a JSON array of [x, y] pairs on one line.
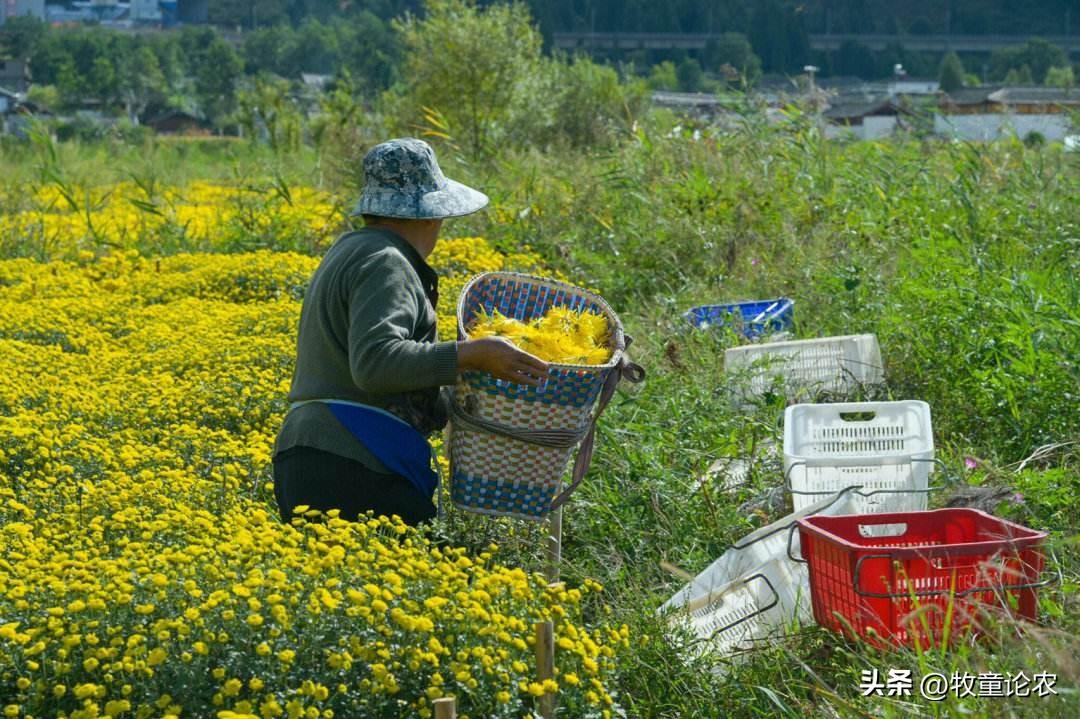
[[18, 8]]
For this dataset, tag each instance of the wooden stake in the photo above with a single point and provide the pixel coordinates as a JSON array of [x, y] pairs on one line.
[[545, 665], [554, 545], [444, 486], [445, 708]]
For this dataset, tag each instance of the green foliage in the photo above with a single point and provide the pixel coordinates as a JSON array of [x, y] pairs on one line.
[[779, 37], [1019, 76], [733, 50], [664, 76], [218, 68], [592, 106], [853, 58], [46, 96], [19, 35], [1060, 77], [267, 113], [248, 13], [1037, 55], [951, 73], [477, 67], [689, 75], [192, 69], [361, 44]]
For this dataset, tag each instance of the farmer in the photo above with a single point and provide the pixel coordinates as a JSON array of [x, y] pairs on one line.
[[369, 367]]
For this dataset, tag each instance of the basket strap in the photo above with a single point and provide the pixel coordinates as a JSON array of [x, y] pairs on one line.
[[625, 369]]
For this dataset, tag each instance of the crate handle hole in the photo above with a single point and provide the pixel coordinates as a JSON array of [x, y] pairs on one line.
[[894, 529], [857, 416]]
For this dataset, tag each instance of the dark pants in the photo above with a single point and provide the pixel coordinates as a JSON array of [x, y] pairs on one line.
[[324, 481]]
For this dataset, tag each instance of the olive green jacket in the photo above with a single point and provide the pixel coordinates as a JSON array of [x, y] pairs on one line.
[[367, 334]]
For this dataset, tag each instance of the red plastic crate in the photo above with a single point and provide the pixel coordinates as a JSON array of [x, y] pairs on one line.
[[905, 578]]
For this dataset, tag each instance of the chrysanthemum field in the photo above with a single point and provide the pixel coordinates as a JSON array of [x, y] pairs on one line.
[[143, 571]]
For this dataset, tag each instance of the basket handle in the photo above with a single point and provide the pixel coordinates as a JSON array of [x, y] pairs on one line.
[[624, 369], [760, 610], [934, 592]]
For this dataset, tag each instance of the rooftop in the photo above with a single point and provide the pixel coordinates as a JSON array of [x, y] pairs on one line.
[[971, 95], [685, 99], [845, 107], [1036, 96]]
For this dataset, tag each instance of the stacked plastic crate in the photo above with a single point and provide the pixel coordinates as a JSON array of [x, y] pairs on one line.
[[858, 474]]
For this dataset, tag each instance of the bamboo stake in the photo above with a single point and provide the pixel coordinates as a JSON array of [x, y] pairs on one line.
[[554, 545], [445, 708], [545, 665]]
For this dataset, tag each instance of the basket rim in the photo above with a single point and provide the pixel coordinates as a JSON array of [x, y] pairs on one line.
[[618, 335], [1025, 537]]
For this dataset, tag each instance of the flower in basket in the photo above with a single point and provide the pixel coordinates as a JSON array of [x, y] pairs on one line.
[[562, 335]]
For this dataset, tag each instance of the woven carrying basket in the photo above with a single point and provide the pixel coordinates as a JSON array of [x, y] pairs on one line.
[[492, 472]]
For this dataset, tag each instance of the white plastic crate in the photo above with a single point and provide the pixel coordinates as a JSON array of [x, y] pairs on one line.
[[829, 364], [753, 590], [885, 448], [749, 610]]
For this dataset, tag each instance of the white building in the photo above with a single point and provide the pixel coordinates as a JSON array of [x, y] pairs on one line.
[[864, 117], [992, 126], [990, 113]]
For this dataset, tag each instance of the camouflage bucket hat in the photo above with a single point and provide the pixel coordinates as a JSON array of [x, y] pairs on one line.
[[403, 180]]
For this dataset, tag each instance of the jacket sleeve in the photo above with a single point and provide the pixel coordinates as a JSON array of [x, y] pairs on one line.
[[384, 306]]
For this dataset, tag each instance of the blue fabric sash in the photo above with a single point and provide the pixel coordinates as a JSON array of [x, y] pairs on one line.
[[393, 441]]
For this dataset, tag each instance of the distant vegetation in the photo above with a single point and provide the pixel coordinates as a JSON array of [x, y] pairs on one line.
[[362, 44]]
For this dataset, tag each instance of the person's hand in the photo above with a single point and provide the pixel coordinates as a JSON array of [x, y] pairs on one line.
[[499, 357]]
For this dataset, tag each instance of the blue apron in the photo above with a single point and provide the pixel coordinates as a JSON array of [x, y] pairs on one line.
[[392, 440]]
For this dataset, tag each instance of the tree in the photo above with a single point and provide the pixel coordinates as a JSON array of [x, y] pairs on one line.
[[767, 35], [141, 81], [215, 78], [19, 36], [853, 58], [1019, 76], [477, 67], [689, 75], [102, 81], [951, 72], [592, 106], [370, 51], [664, 76], [1060, 77], [265, 111], [778, 37], [46, 96], [264, 49], [1038, 55], [247, 13], [734, 50], [315, 49]]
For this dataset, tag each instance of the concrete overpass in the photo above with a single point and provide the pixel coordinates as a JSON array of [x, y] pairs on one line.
[[697, 41]]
